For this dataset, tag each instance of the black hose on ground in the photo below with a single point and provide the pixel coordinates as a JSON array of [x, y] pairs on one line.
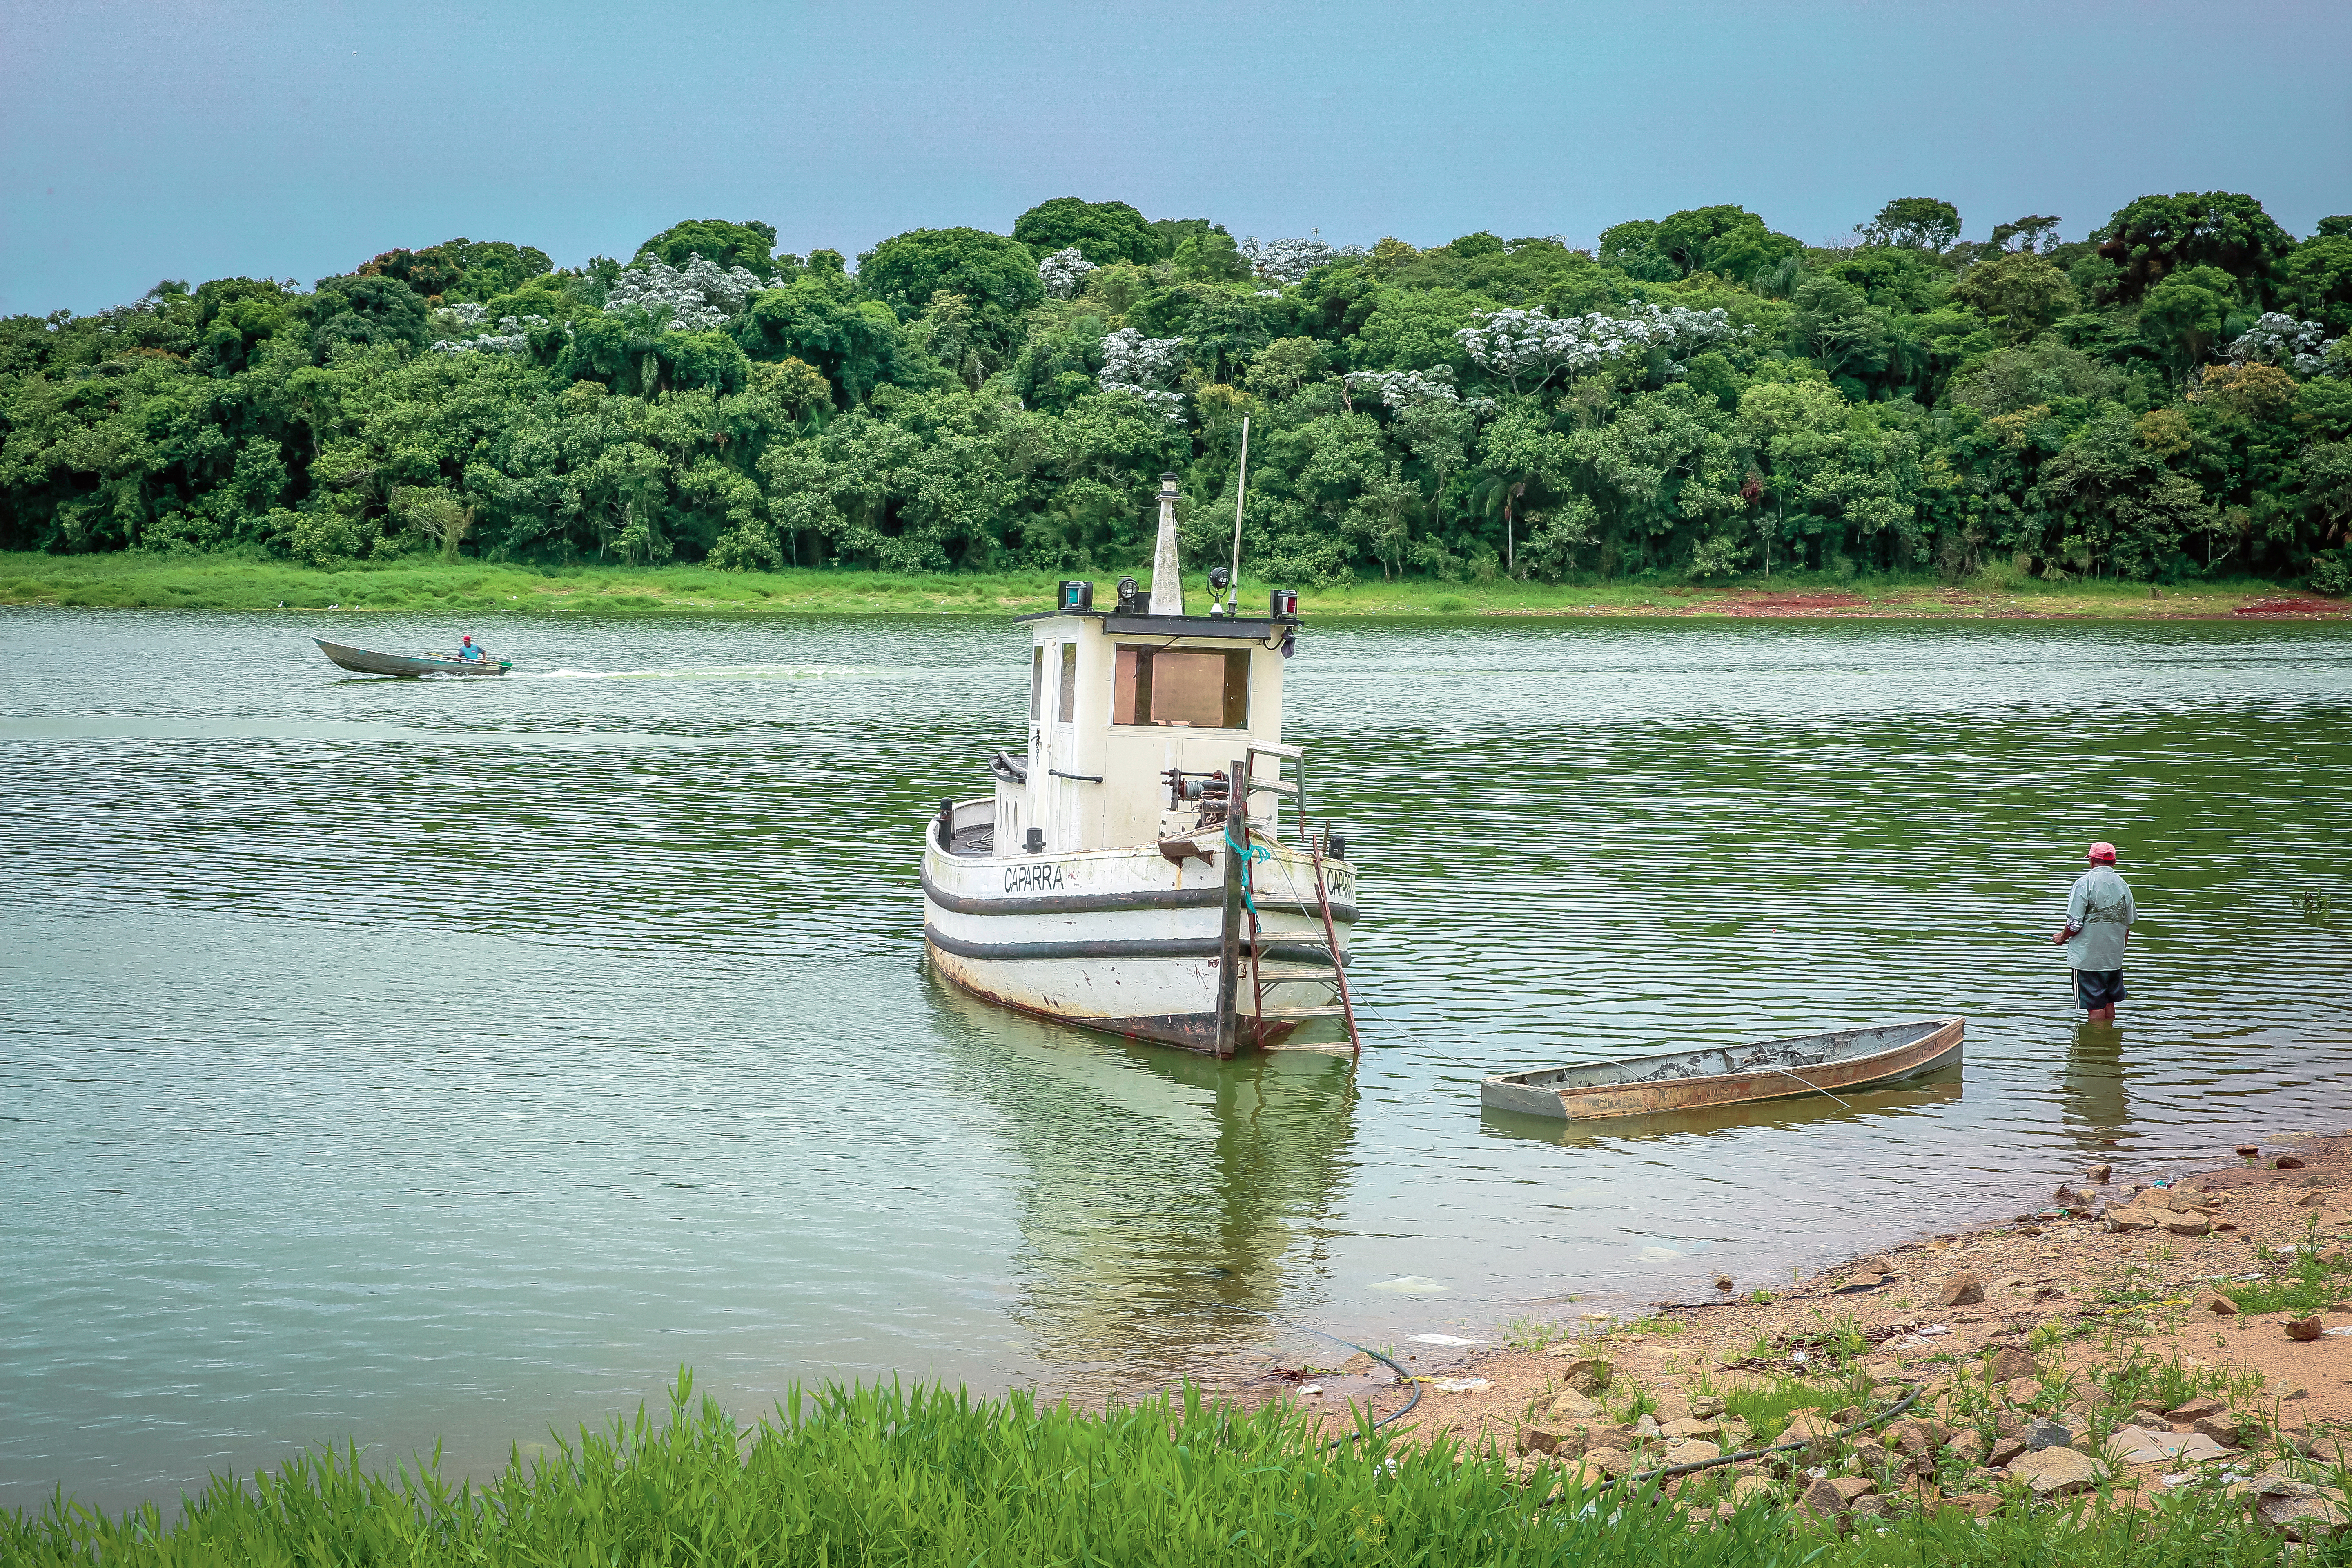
[[1388, 1361]]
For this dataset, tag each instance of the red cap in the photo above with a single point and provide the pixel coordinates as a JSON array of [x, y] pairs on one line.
[[2103, 850]]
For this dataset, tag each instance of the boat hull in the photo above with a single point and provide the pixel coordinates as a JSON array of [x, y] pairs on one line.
[[1124, 941], [1811, 1064], [363, 661]]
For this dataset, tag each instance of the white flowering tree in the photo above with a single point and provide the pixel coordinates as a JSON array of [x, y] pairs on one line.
[[1063, 273], [1528, 348], [1285, 262], [1405, 389], [512, 337], [1141, 367], [2280, 339], [696, 298]]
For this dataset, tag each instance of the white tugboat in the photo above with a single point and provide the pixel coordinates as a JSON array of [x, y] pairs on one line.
[[1110, 880]]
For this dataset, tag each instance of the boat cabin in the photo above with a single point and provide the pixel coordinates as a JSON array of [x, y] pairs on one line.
[[1135, 712]]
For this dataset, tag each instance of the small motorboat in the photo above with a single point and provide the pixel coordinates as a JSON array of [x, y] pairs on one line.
[[1774, 1069], [406, 665]]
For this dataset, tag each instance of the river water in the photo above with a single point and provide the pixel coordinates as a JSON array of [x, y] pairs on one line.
[[397, 1060]]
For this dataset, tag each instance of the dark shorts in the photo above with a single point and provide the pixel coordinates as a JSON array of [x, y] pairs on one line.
[[2097, 988]]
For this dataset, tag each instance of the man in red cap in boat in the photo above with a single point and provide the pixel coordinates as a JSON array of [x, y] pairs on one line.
[[2099, 914], [468, 648]]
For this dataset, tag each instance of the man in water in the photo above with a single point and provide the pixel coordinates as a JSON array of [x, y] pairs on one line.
[[2098, 923], [468, 648]]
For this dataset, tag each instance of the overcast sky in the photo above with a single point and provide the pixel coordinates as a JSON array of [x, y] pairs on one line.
[[212, 138]]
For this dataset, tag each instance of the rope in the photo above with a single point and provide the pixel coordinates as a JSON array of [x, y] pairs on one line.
[[1251, 855]]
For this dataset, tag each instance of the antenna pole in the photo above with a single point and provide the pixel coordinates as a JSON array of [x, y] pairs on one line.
[[1241, 488]]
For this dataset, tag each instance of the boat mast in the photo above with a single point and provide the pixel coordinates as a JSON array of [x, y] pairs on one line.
[[1167, 580], [1240, 488]]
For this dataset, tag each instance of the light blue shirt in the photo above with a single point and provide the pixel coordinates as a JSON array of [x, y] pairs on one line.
[[470, 650], [2100, 908]]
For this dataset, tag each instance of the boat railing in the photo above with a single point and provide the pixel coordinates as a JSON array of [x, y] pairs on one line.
[[1274, 784]]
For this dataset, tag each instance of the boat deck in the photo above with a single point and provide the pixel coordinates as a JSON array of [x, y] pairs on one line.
[[976, 842]]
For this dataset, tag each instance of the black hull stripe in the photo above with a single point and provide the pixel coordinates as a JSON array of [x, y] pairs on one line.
[[1171, 947], [1108, 903]]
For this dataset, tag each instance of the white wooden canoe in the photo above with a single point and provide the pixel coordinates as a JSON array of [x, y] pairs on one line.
[[1772, 1069]]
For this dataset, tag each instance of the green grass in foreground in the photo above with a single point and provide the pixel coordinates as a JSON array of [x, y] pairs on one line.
[[880, 1477], [135, 579]]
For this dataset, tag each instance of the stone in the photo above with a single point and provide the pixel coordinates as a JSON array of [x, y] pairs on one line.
[[2126, 1220], [2248, 1151], [1691, 1453], [1748, 1490], [1647, 1427], [2188, 1414], [2008, 1423], [2004, 1450], [1690, 1429], [2180, 1200], [1706, 1406], [2286, 1163], [1588, 1375], [1975, 1505], [2224, 1428], [2057, 1471], [1877, 1263], [2304, 1328], [2021, 1391], [2148, 1406], [1873, 1507], [2295, 1508], [2011, 1362], [1961, 1290], [2098, 1172], [2139, 1446], [1853, 1487], [2312, 1199], [1823, 1500], [1567, 1442], [2211, 1301], [2043, 1433], [1969, 1445], [1573, 1406], [1610, 1463], [2189, 1225]]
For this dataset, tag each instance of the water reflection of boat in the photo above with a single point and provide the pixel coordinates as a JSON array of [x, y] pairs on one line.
[[1841, 1061], [1806, 1111], [1131, 874], [1169, 1202]]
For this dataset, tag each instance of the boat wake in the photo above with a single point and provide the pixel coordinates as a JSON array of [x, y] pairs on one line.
[[714, 672]]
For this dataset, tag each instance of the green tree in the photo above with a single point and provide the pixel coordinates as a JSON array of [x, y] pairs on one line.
[[749, 245], [2018, 290], [357, 309], [1102, 232], [1916, 223], [2156, 236], [2184, 312], [997, 275]]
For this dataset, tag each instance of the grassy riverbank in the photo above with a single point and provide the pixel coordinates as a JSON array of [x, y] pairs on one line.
[[135, 580], [878, 1477]]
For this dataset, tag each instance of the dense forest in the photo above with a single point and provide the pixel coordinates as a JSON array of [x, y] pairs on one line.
[[2167, 397]]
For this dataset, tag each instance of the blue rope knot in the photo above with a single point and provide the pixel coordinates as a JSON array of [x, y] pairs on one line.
[[1251, 855]]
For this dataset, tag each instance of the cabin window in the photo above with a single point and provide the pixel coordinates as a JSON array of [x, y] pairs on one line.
[[1183, 688], [1069, 711], [1037, 681]]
